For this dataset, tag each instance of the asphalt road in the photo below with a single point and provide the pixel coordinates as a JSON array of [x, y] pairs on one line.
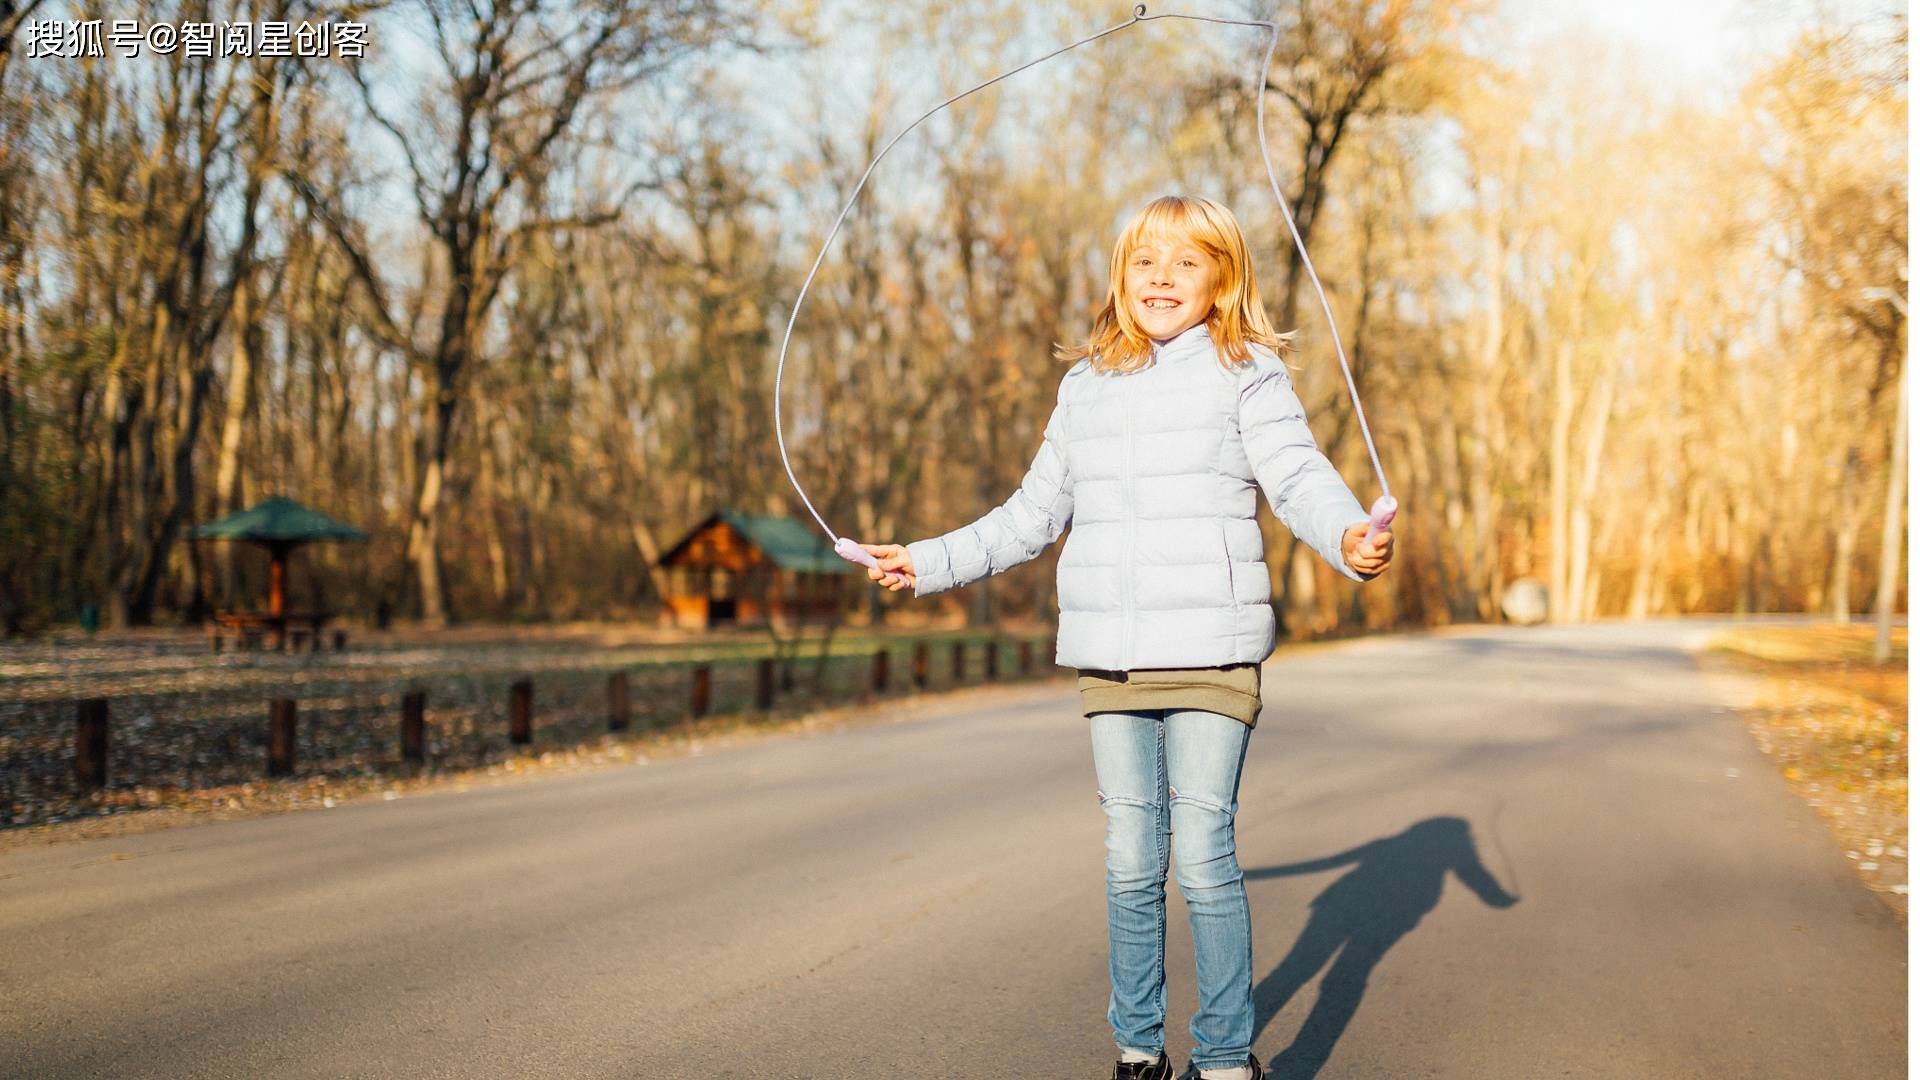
[[926, 899]]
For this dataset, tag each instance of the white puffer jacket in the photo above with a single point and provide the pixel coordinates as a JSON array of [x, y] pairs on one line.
[[1155, 469]]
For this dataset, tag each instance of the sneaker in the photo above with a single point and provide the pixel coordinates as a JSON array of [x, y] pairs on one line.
[[1157, 1069]]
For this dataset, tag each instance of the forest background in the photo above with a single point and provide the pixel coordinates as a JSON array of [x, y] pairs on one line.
[[507, 292]]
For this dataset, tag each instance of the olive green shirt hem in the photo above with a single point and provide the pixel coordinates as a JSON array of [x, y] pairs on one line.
[[1232, 690]]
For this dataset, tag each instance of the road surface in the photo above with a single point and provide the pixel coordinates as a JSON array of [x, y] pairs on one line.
[[1503, 852]]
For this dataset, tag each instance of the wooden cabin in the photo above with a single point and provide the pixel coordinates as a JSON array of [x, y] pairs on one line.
[[738, 569]]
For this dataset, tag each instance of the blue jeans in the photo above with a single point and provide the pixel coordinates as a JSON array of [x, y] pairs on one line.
[[1175, 772]]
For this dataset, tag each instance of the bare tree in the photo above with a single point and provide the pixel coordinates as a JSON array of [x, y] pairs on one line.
[[517, 78]]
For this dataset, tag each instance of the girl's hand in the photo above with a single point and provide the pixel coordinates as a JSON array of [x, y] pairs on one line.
[[1367, 558], [892, 557]]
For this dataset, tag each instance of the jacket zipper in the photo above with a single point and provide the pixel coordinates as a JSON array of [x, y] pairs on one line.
[[1126, 557]]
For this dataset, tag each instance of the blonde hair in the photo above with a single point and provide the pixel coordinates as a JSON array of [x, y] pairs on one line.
[[1117, 343]]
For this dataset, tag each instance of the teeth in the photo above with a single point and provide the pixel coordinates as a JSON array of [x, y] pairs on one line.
[[1162, 305]]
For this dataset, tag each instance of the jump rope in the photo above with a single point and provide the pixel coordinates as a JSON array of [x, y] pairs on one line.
[[1383, 508]]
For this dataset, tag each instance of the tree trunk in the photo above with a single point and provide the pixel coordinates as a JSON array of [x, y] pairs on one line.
[[1559, 488], [239, 408], [423, 535], [1579, 588], [1483, 564], [1893, 526], [490, 511], [1846, 535]]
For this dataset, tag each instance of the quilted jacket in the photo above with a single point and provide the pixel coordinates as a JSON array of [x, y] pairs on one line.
[[1155, 469]]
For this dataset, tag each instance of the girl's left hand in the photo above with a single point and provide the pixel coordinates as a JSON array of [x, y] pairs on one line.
[[896, 566], [1367, 558]]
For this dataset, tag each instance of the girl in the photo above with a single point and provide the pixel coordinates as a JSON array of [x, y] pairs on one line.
[[1176, 405]]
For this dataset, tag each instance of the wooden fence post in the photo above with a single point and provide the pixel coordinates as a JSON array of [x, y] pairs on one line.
[[1026, 657], [617, 701], [413, 726], [520, 722], [993, 659], [90, 744], [920, 664], [959, 661], [763, 686], [702, 689], [281, 737], [880, 672]]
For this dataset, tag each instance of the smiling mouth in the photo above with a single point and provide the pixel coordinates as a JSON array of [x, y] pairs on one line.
[[1159, 304]]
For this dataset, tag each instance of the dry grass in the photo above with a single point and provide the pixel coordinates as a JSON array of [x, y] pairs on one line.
[[1835, 724]]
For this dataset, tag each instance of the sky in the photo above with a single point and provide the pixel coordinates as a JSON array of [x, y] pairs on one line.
[[1708, 44], [1697, 37]]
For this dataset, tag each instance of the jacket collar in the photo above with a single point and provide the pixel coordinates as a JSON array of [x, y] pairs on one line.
[[1193, 339]]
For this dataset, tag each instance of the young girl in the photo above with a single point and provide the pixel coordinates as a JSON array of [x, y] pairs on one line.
[[1176, 406]]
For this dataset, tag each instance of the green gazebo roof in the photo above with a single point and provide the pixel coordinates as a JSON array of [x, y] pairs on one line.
[[277, 519]]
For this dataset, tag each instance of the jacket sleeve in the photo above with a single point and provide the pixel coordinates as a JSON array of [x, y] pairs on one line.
[[1009, 534], [1301, 485]]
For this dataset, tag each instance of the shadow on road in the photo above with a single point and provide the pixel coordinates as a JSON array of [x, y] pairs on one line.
[[1395, 881]]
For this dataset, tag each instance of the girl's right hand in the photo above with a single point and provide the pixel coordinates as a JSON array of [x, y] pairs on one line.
[[894, 558]]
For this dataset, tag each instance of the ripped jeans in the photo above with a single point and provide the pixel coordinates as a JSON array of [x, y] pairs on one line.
[[1161, 772]]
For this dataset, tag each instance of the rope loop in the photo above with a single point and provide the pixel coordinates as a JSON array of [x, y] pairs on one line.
[[849, 548]]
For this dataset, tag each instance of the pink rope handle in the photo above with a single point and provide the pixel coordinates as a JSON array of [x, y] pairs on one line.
[[853, 552], [1384, 508]]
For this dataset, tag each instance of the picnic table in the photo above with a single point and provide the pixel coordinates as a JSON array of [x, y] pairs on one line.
[[295, 629]]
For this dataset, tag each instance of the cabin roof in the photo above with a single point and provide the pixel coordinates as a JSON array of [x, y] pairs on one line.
[[789, 542]]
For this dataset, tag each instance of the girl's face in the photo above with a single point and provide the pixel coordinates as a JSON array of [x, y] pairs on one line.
[[1171, 286]]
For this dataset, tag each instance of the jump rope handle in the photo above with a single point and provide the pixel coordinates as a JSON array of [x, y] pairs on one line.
[[1383, 510], [854, 553]]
